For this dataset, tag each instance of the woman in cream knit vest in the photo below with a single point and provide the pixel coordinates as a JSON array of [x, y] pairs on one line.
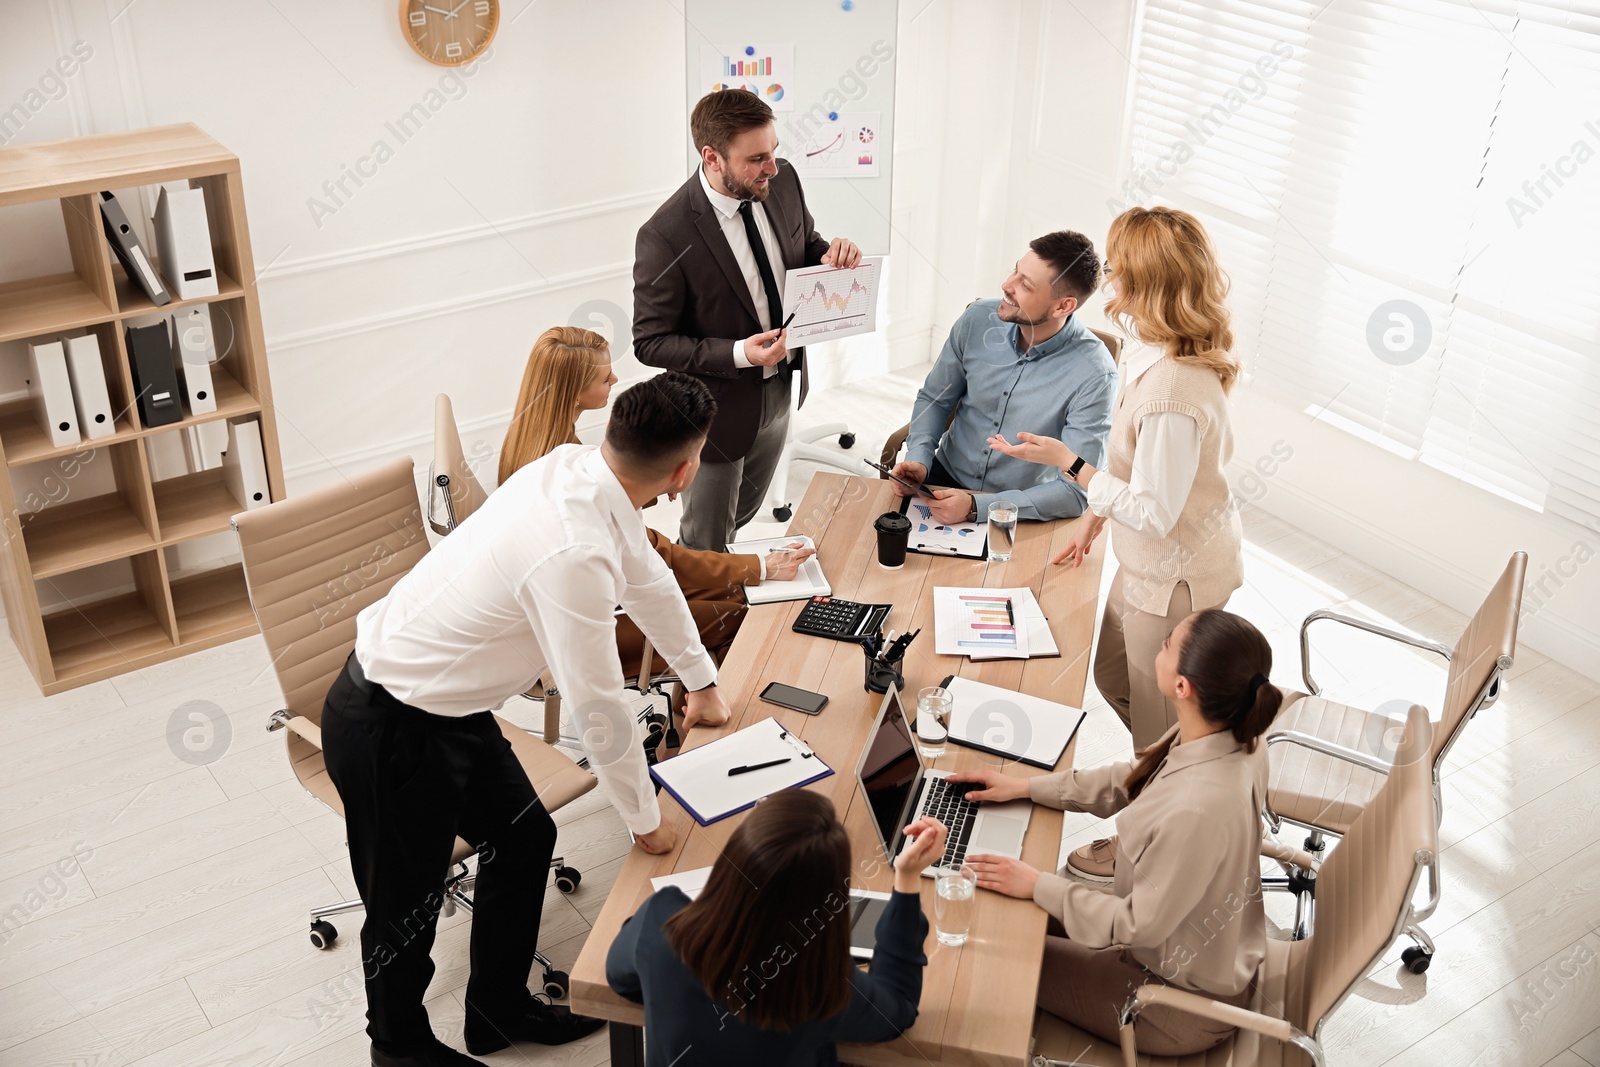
[[1177, 536]]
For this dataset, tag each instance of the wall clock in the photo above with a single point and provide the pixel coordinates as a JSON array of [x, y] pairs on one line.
[[449, 32]]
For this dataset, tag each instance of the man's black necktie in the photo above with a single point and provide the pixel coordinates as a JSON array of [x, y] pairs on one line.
[[764, 265]]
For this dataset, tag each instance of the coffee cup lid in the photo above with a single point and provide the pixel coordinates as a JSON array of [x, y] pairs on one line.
[[893, 522]]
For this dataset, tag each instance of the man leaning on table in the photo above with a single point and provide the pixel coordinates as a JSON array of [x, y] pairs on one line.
[[531, 580], [1023, 362]]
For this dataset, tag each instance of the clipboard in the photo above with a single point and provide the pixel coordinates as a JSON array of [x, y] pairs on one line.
[[1050, 726], [699, 781], [960, 540]]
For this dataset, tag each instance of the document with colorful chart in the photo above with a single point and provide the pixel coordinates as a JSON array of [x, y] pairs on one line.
[[976, 623], [928, 534]]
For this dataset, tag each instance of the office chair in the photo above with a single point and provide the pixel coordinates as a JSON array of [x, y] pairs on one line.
[[897, 440], [454, 494], [802, 445], [311, 563], [1367, 889], [1328, 760]]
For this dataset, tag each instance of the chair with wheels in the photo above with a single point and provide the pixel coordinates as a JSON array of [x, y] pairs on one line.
[[897, 440], [1368, 886], [802, 444], [311, 564], [1328, 759]]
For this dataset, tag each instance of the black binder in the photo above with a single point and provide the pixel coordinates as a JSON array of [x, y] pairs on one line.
[[155, 376], [125, 243]]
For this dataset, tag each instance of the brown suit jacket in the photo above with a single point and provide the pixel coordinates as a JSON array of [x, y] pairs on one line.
[[691, 302]]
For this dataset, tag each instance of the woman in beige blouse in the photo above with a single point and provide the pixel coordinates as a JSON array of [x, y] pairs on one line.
[[1185, 906]]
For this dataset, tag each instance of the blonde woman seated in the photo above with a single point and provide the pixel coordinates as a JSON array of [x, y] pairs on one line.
[[1185, 907], [569, 372]]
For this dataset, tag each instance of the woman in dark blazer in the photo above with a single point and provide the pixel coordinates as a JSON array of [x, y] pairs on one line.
[[757, 969]]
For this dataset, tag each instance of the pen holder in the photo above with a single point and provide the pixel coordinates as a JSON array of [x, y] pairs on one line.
[[881, 674]]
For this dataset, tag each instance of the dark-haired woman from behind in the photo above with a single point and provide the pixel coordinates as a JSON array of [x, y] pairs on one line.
[[757, 969], [1184, 908]]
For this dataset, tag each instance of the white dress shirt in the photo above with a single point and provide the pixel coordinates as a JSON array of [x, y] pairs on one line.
[[727, 208], [531, 580], [1164, 462]]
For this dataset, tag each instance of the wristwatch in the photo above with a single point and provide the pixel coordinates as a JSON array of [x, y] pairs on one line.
[[972, 513], [1077, 465]]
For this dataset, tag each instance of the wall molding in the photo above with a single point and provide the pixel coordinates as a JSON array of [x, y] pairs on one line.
[[1036, 147], [389, 319], [461, 235]]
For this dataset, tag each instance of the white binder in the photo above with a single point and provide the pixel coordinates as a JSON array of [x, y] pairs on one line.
[[244, 465], [195, 351], [88, 377], [50, 389], [183, 240]]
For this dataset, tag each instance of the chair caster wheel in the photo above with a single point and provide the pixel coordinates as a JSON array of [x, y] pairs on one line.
[[555, 985], [323, 935], [783, 514], [568, 879], [1416, 960], [847, 440]]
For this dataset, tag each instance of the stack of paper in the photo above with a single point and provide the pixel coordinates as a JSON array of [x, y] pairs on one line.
[[808, 583], [976, 623]]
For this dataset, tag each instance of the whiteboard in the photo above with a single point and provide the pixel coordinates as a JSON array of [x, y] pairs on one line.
[[844, 54]]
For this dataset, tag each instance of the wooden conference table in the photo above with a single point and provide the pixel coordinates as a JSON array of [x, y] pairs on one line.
[[977, 1000]]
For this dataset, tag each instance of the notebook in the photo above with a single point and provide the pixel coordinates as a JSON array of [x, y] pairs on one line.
[[699, 779], [808, 583], [1011, 725]]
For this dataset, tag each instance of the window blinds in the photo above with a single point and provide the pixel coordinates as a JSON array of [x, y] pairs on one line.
[[1406, 194]]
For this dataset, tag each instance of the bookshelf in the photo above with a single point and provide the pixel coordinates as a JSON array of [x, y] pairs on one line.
[[65, 534]]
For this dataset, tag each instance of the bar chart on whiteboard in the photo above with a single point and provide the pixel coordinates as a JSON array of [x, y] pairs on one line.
[[829, 304]]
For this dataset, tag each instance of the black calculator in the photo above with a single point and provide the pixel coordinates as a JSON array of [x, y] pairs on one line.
[[842, 620]]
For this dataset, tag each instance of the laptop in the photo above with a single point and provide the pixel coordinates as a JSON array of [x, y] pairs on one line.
[[899, 789]]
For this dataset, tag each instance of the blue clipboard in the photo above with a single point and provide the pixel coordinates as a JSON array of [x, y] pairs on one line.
[[699, 781]]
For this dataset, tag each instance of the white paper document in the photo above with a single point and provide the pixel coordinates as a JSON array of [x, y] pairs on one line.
[[974, 623], [1009, 724], [928, 534], [699, 779], [691, 881], [809, 582], [830, 303]]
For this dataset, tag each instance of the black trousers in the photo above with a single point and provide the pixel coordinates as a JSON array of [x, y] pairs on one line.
[[412, 783]]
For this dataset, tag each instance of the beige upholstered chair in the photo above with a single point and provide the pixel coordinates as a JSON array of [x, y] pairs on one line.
[[311, 563], [1368, 885], [454, 492], [897, 440], [1328, 760]]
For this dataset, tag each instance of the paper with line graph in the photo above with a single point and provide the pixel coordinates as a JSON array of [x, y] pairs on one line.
[[829, 303]]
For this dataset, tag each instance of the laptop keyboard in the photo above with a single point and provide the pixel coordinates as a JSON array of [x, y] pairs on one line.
[[947, 801]]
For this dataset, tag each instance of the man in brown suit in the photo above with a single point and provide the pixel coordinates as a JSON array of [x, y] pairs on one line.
[[708, 300]]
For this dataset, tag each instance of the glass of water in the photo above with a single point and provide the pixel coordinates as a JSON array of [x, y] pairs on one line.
[[1002, 529], [954, 889], [934, 705]]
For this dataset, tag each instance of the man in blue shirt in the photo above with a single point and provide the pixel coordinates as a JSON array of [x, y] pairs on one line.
[[1023, 362]]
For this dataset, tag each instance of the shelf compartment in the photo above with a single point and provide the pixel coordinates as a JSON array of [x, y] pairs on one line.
[[26, 442], [212, 607], [81, 533], [194, 505], [99, 638], [49, 305], [132, 301]]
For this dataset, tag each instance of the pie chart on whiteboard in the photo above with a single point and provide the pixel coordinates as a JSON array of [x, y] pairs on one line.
[[774, 92]]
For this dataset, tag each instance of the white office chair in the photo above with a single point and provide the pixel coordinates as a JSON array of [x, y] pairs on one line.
[[802, 445]]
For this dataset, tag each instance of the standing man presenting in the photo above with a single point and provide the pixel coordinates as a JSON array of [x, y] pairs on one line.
[[708, 276], [531, 580]]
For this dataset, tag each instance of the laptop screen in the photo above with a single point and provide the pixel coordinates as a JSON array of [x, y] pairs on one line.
[[888, 771]]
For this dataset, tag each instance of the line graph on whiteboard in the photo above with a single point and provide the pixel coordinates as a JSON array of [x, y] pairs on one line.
[[830, 304]]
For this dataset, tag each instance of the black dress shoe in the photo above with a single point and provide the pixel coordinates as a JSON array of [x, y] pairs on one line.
[[532, 1020], [436, 1055]]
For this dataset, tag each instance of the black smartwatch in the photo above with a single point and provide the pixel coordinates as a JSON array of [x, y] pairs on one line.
[[1077, 465]]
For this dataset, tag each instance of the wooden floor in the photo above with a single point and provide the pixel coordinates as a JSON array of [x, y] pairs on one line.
[[176, 934]]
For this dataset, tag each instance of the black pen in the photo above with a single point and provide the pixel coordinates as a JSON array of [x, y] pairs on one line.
[[785, 326], [756, 766], [1010, 615]]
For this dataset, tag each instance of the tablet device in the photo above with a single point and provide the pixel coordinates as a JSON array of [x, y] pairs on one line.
[[889, 473], [866, 907]]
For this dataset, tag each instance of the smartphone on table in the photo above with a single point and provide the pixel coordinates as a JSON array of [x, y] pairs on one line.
[[787, 696]]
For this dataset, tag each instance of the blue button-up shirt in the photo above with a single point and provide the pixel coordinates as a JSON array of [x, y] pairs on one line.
[[1063, 387]]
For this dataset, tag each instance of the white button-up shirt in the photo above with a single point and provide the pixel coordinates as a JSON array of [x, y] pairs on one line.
[[533, 580], [1164, 463], [727, 209]]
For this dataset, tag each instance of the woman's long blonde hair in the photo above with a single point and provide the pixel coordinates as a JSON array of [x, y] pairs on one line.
[[560, 367], [1168, 285]]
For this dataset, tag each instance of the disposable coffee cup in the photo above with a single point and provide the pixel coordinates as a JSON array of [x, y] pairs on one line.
[[894, 532]]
